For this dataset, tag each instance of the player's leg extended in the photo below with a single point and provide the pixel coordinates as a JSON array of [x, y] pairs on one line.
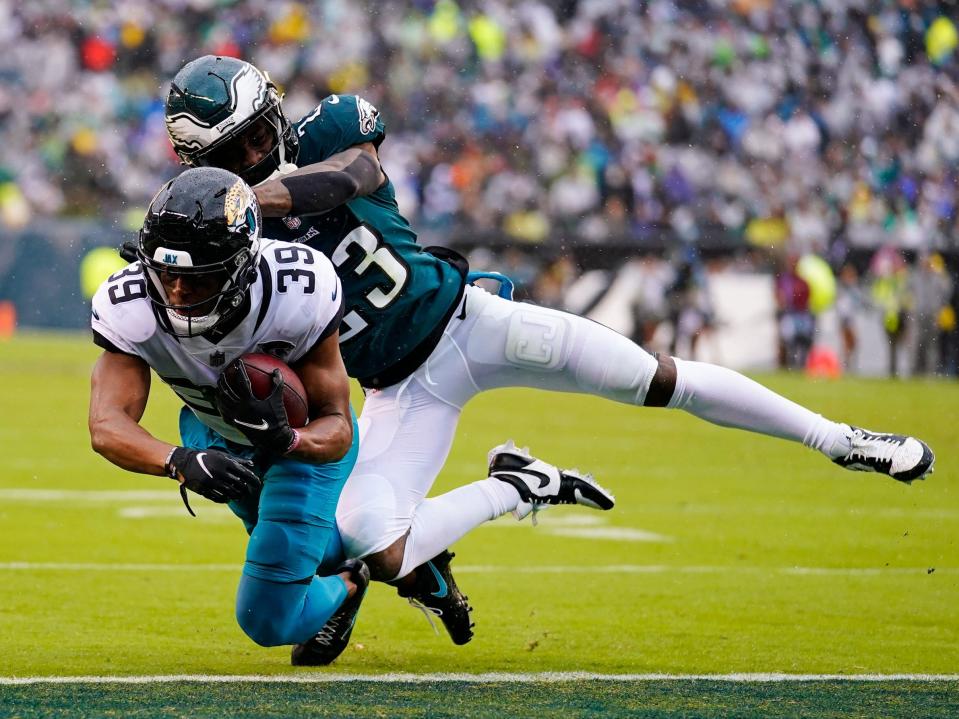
[[406, 434], [405, 437], [518, 344]]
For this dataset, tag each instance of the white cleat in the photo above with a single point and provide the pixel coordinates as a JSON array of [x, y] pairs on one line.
[[902, 458]]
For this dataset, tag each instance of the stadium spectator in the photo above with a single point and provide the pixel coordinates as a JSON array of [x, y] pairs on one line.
[[890, 292], [931, 289], [850, 302], [797, 325]]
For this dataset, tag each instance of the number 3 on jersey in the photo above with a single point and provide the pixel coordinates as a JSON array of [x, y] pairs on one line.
[[374, 253]]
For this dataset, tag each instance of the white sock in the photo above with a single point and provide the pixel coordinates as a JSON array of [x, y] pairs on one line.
[[727, 398], [440, 521]]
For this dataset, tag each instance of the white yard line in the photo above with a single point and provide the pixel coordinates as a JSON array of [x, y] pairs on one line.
[[83, 495], [118, 567], [516, 678], [491, 569], [29, 494]]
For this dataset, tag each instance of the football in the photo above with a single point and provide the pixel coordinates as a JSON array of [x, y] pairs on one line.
[[259, 368]]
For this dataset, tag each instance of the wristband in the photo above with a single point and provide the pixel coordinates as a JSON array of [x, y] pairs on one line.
[[295, 443], [168, 467]]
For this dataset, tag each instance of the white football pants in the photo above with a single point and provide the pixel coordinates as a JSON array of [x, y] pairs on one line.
[[406, 430]]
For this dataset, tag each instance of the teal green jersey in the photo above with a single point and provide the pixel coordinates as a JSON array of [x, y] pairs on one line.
[[398, 297]]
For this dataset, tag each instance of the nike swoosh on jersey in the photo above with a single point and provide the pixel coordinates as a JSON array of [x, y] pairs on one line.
[[262, 425], [442, 590]]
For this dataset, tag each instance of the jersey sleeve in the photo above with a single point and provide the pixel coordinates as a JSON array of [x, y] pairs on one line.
[[308, 304], [121, 317], [340, 122]]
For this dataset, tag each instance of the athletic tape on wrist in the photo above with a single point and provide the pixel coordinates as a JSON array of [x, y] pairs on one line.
[[295, 443], [168, 467]]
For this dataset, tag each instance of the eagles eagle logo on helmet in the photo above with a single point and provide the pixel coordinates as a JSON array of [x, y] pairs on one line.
[[213, 101]]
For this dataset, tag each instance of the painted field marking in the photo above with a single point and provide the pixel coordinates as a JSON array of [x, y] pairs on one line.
[[491, 569], [25, 494], [83, 495], [219, 513], [619, 534], [487, 678]]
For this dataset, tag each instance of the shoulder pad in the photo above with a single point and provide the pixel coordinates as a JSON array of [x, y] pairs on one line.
[[122, 310], [340, 122]]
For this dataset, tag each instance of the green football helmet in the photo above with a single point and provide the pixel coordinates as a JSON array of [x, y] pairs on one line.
[[213, 101]]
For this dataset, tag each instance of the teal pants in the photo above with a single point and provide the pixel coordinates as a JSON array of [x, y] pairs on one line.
[[293, 538]]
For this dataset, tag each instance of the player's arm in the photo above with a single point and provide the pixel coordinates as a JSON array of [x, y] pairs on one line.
[[323, 186], [329, 434], [264, 421], [119, 387]]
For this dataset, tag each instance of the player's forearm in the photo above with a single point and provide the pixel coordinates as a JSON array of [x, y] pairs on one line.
[[321, 187], [127, 445], [326, 439]]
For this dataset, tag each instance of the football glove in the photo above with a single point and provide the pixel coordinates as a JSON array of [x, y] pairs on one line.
[[128, 251], [262, 421], [212, 474]]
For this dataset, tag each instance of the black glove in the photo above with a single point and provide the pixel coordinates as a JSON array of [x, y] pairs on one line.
[[128, 251], [262, 421], [212, 474]]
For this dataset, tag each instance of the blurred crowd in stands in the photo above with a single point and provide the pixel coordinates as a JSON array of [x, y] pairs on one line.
[[825, 127]]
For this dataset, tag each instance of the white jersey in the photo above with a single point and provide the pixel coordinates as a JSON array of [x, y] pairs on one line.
[[295, 302]]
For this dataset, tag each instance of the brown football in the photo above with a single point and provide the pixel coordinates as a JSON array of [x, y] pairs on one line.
[[259, 368]]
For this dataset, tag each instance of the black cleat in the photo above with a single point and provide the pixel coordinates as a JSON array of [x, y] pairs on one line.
[[435, 593], [540, 483], [334, 637]]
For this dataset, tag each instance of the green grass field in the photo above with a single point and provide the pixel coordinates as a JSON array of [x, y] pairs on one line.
[[727, 553]]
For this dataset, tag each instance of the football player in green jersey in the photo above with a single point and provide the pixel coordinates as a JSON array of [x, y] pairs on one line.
[[423, 341]]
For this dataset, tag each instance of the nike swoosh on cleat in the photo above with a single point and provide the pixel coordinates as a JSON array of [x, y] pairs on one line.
[[520, 475], [543, 478], [442, 589], [262, 425]]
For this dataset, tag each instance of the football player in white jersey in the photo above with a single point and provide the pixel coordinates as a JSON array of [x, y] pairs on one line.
[[206, 290]]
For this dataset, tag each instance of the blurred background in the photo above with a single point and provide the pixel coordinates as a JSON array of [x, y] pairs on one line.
[[761, 184]]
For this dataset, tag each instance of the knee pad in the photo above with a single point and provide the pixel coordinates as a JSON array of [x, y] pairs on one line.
[[265, 610], [286, 551]]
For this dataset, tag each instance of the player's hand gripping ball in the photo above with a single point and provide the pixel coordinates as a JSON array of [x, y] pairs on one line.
[[263, 398]]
